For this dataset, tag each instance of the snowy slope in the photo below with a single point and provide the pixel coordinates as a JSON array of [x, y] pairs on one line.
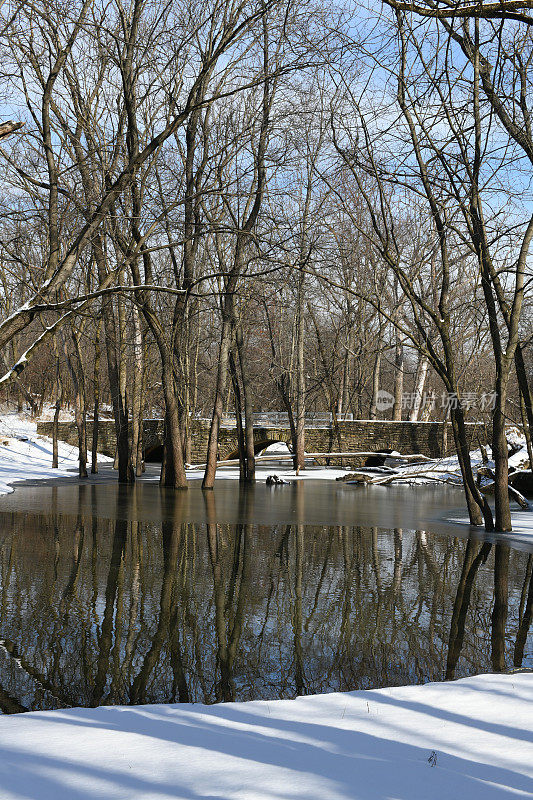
[[26, 456], [466, 740]]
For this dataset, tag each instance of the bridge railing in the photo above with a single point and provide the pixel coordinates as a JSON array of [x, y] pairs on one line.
[[280, 419]]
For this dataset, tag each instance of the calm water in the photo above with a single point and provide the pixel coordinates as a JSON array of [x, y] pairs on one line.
[[115, 595]]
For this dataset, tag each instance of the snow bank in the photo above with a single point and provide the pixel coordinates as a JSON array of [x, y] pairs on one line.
[[26, 456], [471, 738]]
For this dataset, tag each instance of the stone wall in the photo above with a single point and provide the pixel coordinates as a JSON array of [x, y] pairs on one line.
[[406, 437]]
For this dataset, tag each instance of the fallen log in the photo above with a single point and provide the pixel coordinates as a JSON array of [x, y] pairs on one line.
[[234, 462], [384, 480], [488, 488]]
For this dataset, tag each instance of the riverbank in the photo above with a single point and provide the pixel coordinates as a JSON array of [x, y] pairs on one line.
[[471, 738], [26, 456]]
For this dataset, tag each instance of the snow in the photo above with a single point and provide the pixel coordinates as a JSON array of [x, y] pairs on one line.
[[277, 447], [262, 471], [471, 738], [26, 456], [522, 528], [436, 470]]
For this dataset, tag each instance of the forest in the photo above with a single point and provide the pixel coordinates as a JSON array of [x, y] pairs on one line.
[[268, 205]]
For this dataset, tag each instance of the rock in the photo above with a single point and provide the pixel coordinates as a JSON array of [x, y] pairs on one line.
[[355, 477], [274, 480], [522, 481]]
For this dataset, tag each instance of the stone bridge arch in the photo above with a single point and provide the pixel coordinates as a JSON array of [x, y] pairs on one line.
[[153, 453], [263, 437], [258, 448]]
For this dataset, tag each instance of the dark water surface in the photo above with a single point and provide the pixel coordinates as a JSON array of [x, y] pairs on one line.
[[130, 595]]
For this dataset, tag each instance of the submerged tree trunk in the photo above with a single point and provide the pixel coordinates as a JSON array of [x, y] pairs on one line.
[[57, 409], [76, 374], [525, 619], [238, 416], [172, 539], [137, 400], [298, 623], [96, 407], [471, 564], [299, 449], [248, 411], [478, 508], [218, 405]]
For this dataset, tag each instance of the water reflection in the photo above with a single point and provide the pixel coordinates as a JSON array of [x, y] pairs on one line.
[[96, 610]]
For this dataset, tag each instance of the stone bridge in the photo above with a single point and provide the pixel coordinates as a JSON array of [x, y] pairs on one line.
[[349, 436]]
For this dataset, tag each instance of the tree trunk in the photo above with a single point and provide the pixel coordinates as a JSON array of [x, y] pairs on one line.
[[500, 455], [96, 407], [79, 408], [398, 379], [376, 376], [241, 446], [527, 431], [248, 411], [478, 507], [526, 399], [80, 414], [137, 400], [57, 409], [125, 471], [173, 474], [222, 372], [299, 450], [420, 382]]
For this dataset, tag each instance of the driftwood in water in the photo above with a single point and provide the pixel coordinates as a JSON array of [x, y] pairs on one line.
[[488, 488]]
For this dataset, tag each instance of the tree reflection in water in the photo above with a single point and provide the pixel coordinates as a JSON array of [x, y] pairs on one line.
[[98, 611]]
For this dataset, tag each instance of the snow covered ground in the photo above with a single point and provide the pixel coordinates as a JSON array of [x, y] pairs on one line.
[[26, 456], [470, 739], [436, 470]]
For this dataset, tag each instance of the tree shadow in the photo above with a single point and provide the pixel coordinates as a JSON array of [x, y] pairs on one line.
[[228, 751]]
